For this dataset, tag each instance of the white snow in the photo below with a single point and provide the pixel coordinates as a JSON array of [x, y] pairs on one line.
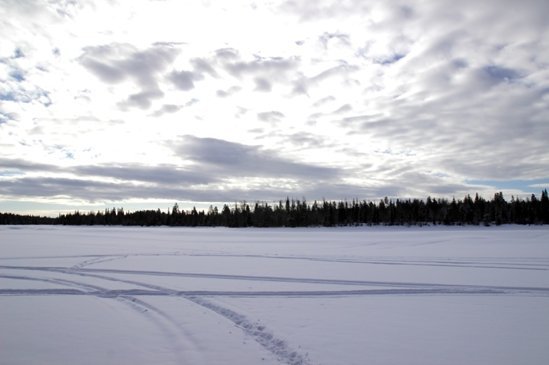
[[366, 295]]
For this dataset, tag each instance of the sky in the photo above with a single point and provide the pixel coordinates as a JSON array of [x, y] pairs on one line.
[[140, 104]]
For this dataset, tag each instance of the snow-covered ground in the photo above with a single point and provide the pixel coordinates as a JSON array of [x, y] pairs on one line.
[[114, 295]]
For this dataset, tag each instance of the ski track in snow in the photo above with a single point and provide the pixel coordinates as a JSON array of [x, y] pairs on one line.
[[97, 260], [172, 331], [278, 347], [258, 332], [400, 287], [512, 263]]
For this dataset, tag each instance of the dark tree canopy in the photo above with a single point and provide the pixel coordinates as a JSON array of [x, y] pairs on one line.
[[300, 213]]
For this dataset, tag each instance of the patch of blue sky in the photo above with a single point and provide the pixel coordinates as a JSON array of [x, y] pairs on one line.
[[4, 118], [18, 53], [43, 208], [23, 96], [53, 208], [8, 96], [527, 186], [17, 75], [9, 172], [498, 73], [391, 59]]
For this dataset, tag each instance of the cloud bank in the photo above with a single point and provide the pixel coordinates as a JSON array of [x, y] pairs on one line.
[[323, 99]]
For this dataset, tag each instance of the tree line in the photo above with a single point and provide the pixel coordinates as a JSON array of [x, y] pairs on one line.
[[300, 213]]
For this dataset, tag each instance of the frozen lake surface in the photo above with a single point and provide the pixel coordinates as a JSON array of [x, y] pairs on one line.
[[431, 295]]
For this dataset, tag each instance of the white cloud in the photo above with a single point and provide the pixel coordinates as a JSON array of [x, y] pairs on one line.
[[399, 97]]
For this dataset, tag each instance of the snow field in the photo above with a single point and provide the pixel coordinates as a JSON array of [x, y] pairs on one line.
[[365, 295]]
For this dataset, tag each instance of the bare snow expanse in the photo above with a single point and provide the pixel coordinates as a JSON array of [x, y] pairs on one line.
[[115, 295]]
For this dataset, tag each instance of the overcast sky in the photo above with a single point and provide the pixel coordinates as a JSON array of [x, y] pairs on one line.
[[146, 103]]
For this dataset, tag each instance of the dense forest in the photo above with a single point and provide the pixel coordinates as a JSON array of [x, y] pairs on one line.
[[300, 213]]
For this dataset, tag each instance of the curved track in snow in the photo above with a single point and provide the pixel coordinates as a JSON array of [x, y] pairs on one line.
[[146, 292]]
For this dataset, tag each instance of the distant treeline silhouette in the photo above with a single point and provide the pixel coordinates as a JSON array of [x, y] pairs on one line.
[[300, 213]]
